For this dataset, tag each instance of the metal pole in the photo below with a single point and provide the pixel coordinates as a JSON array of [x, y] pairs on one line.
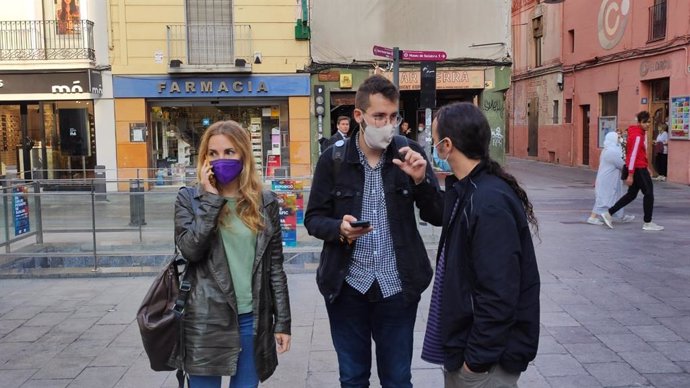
[[39, 214], [93, 226], [140, 218], [7, 217], [396, 66]]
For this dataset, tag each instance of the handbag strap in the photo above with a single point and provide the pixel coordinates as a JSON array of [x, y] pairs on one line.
[[178, 259]]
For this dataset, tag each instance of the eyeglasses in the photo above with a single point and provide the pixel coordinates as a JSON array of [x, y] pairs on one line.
[[381, 119]]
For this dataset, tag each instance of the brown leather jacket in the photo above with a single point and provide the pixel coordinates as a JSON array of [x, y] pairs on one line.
[[210, 336]]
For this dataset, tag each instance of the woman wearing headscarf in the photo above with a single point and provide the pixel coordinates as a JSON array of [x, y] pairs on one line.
[[608, 186]]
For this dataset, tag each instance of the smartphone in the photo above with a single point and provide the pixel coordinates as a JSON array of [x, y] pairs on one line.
[[359, 224]]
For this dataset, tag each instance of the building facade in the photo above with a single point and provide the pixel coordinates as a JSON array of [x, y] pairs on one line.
[[618, 57], [184, 65], [56, 116], [476, 66]]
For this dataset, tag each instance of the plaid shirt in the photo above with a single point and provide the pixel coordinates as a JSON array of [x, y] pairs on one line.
[[373, 257]]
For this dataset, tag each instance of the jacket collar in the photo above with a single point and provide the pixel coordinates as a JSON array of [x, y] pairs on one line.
[[459, 184]]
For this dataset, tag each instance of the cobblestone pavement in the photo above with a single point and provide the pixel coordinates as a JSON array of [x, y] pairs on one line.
[[615, 308]]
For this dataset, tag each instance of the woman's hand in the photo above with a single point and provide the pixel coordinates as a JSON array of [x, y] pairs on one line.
[[282, 342], [208, 181]]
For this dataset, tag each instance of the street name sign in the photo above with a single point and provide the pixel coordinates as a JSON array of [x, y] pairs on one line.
[[431, 56], [383, 52]]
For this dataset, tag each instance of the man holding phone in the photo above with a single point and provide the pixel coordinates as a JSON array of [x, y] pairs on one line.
[[374, 265]]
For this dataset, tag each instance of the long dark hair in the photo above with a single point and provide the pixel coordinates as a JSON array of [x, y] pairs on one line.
[[73, 8], [467, 127]]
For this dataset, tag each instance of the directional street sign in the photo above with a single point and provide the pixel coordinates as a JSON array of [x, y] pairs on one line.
[[411, 55], [383, 52], [432, 56]]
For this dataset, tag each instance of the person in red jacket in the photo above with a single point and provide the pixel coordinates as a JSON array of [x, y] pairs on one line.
[[638, 175]]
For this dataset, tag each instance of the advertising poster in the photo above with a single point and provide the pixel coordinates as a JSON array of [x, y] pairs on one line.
[[291, 201], [680, 118], [20, 204], [68, 15], [606, 124]]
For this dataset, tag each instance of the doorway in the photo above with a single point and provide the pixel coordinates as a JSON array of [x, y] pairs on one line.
[[585, 134], [658, 110], [533, 127]]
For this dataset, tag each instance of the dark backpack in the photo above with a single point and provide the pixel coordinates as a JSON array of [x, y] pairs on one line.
[[161, 310]]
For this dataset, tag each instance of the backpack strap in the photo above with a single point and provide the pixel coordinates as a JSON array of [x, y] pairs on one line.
[[338, 155]]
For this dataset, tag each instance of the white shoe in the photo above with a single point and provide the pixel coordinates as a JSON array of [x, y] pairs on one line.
[[594, 221], [627, 218], [651, 226], [607, 219]]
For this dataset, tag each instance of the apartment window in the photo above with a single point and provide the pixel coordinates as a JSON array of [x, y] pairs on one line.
[[209, 31], [571, 38], [555, 111], [657, 20], [538, 34], [568, 111], [609, 104]]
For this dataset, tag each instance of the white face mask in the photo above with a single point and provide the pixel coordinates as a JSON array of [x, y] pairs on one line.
[[378, 138]]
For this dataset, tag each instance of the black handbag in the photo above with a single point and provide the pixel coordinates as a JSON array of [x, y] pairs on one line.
[[162, 309]]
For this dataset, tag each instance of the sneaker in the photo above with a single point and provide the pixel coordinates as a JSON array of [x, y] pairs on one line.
[[594, 221], [608, 220], [651, 226], [627, 218]]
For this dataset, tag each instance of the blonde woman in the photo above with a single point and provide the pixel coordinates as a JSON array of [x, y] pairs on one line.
[[237, 316]]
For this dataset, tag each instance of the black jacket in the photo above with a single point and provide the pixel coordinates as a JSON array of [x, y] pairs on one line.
[[211, 342], [334, 138], [332, 197], [490, 304]]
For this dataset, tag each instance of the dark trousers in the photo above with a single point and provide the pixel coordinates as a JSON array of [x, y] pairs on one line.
[[661, 163], [641, 181], [355, 319]]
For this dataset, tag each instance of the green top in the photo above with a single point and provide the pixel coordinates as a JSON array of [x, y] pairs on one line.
[[240, 247]]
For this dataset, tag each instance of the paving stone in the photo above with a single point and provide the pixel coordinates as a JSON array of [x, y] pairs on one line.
[[615, 374], [573, 382], [63, 368], [84, 348], [323, 380], [659, 310], [529, 378], [23, 312], [685, 365], [628, 318], [572, 335], [669, 380], [624, 343], [584, 313], [679, 325], [656, 333], [7, 325], [607, 326], [548, 345], [558, 319], [56, 383], [32, 356], [427, 377], [591, 353], [26, 334], [650, 362], [47, 319], [102, 377], [323, 361], [15, 378], [117, 356], [102, 332], [675, 351], [559, 365]]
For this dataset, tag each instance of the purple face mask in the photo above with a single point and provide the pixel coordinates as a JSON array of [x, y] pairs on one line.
[[226, 170]]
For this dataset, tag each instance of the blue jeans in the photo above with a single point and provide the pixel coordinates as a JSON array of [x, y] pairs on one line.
[[355, 319], [246, 376]]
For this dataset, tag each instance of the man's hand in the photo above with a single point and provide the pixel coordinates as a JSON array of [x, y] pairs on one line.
[[350, 233], [629, 179], [413, 164]]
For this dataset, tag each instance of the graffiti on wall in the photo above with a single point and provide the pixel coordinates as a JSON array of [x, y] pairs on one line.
[[493, 105], [611, 23], [497, 137]]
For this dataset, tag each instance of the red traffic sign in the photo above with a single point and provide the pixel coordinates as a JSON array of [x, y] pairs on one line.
[[383, 52], [432, 56]]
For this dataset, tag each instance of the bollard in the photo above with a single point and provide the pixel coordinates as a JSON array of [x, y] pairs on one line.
[[99, 184], [136, 203]]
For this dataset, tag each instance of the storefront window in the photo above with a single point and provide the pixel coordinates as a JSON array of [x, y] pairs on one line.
[[48, 140], [178, 128]]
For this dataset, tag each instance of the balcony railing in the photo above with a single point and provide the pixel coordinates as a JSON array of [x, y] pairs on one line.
[[35, 40], [209, 44], [657, 21]]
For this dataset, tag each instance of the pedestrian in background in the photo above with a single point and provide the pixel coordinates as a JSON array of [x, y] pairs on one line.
[[343, 132], [661, 149], [638, 175], [372, 276], [608, 186], [238, 311], [483, 324]]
